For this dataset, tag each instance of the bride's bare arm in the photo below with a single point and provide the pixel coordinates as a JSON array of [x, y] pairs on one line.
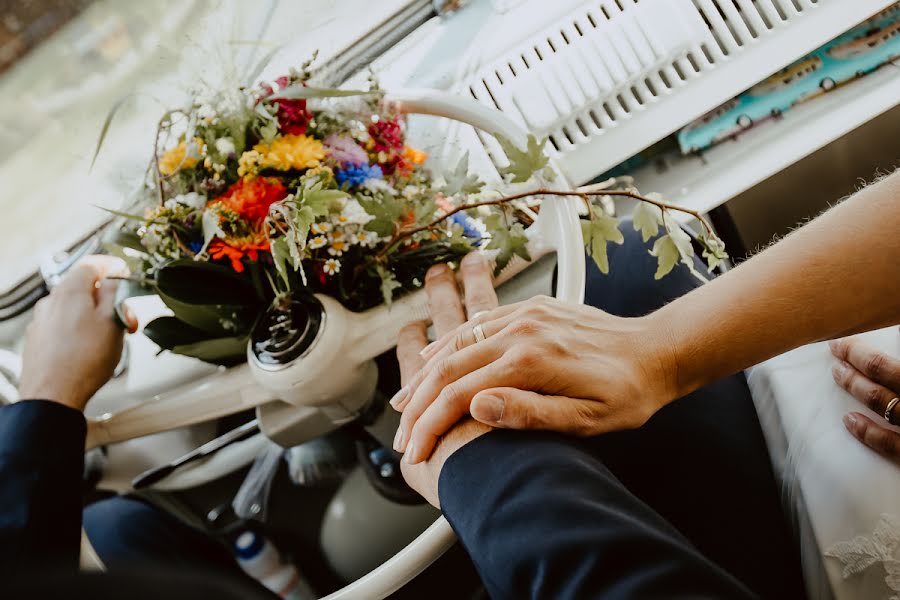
[[549, 365], [835, 276]]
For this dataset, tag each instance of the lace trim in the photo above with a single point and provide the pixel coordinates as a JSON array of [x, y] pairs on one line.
[[862, 552]]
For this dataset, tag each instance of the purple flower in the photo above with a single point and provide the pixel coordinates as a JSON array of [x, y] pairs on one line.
[[358, 175], [345, 151]]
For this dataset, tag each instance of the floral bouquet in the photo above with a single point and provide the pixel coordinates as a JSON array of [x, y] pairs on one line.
[[257, 194]]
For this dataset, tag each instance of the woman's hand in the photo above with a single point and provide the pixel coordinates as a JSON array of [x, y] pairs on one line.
[[873, 378], [543, 364], [72, 344], [447, 313]]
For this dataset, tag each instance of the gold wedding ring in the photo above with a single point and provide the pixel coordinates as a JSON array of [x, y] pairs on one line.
[[889, 410], [478, 332]]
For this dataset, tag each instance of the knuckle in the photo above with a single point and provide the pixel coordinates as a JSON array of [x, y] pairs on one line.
[[479, 298], [443, 370], [522, 357], [874, 365], [883, 442], [525, 325], [459, 341], [451, 395], [873, 398], [585, 421]]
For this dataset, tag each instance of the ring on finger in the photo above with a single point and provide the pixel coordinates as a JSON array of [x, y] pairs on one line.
[[478, 333], [888, 412]]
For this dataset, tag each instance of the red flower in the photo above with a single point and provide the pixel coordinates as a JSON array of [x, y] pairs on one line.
[[292, 115], [251, 199], [387, 136], [219, 249], [386, 144]]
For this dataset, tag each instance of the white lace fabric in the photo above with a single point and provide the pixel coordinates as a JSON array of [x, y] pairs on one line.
[[866, 551]]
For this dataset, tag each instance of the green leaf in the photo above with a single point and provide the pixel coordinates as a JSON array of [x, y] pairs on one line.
[[300, 91], [268, 132], [125, 238], [122, 214], [523, 164], [389, 283], [424, 211], [667, 255], [387, 212], [459, 179], [199, 282], [218, 319], [509, 241], [281, 254], [322, 202], [171, 334], [713, 251], [647, 218], [597, 232], [220, 351], [105, 128], [682, 241]]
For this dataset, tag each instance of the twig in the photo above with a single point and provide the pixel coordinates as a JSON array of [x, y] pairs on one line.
[[403, 234]]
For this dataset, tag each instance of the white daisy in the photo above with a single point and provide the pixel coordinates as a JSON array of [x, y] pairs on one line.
[[317, 242], [320, 228], [332, 266], [337, 248]]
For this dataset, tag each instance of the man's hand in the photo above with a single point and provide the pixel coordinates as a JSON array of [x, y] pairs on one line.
[[873, 378], [73, 343], [447, 313]]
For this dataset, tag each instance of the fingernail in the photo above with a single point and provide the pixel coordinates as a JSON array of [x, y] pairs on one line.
[[130, 320], [436, 270], [411, 455], [488, 408], [399, 397], [424, 351], [850, 422], [473, 258], [398, 439], [838, 371], [834, 345]]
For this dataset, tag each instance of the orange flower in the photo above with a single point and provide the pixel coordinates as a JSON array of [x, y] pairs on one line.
[[219, 250], [416, 157], [251, 199]]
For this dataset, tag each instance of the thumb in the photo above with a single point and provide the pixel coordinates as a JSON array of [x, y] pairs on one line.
[[512, 408]]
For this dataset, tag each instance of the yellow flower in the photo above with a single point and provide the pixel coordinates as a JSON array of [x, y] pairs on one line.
[[248, 164], [180, 158], [290, 152]]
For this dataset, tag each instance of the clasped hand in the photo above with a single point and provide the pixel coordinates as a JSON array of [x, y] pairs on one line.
[[544, 364]]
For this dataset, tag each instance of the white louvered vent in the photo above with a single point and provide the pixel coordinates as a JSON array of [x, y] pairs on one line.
[[611, 61]]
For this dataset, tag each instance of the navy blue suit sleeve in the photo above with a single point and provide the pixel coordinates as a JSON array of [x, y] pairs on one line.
[[41, 466], [543, 519]]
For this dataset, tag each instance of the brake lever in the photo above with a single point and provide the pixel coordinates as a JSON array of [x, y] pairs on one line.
[[53, 268], [157, 474]]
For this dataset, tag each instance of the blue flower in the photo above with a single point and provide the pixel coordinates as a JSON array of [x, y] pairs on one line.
[[358, 174], [195, 246], [470, 230]]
